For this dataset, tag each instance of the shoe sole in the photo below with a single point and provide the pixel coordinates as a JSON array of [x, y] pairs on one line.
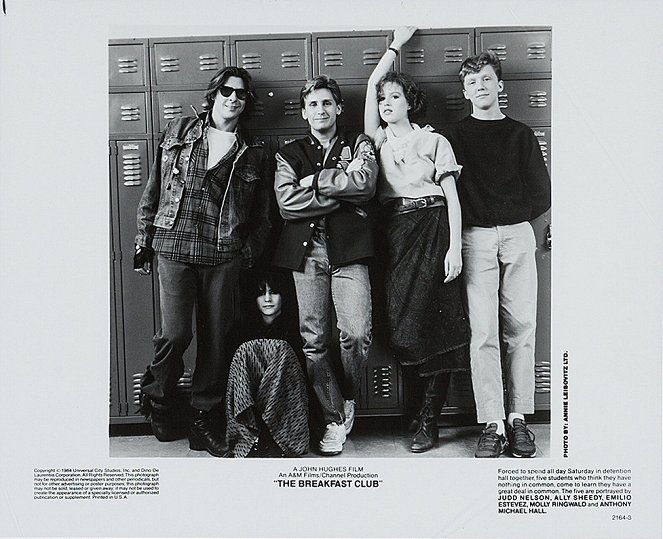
[[523, 455], [490, 456]]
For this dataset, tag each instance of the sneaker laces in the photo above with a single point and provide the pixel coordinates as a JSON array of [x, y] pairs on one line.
[[521, 433], [489, 440]]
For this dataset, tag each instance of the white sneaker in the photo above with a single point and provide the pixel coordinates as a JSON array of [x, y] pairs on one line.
[[349, 409], [333, 440]]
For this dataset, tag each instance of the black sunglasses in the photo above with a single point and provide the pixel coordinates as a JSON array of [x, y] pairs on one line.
[[241, 93]]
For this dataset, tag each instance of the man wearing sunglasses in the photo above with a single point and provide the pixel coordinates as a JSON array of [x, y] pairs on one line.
[[205, 213]]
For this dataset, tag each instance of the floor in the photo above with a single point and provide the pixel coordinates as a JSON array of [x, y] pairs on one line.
[[371, 437]]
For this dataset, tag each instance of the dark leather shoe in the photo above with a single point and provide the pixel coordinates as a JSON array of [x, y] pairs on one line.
[[205, 434], [167, 420], [427, 434]]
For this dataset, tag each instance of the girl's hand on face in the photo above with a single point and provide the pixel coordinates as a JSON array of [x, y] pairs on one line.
[[402, 35]]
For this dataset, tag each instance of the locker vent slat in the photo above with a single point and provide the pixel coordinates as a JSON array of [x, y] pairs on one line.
[[290, 59], [130, 113], [500, 50], [453, 54], [169, 63], [208, 62], [127, 65], [333, 58], [372, 56], [382, 385], [536, 51], [252, 60]]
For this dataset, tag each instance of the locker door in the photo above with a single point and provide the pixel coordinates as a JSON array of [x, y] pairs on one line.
[[446, 103], [541, 227], [277, 108], [354, 96], [127, 65], [461, 395], [136, 304], [127, 113], [170, 105], [180, 63], [544, 138], [382, 380], [274, 58], [519, 51], [436, 54], [527, 100], [344, 56], [115, 397]]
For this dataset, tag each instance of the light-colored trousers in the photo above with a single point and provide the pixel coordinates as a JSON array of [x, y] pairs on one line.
[[499, 268]]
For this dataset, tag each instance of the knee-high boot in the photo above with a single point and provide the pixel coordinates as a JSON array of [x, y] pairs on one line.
[[435, 394]]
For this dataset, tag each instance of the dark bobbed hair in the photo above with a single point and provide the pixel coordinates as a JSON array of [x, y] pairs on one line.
[[321, 82], [220, 78], [415, 96], [253, 285], [474, 64]]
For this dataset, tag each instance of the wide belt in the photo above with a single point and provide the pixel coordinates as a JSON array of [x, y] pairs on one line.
[[404, 205]]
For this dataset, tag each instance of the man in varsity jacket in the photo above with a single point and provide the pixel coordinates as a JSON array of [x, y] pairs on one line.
[[323, 186]]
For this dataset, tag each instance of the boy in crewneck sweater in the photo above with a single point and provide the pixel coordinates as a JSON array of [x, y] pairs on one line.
[[503, 185]]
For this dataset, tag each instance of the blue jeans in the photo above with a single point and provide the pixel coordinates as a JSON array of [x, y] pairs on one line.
[[349, 288], [213, 291], [499, 269]]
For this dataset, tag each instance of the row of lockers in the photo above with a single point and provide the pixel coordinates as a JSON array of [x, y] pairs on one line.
[[154, 80], [170, 62], [278, 107]]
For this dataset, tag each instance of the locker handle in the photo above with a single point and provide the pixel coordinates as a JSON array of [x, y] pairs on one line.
[[549, 237]]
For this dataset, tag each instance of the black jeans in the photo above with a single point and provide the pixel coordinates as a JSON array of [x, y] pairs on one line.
[[213, 290]]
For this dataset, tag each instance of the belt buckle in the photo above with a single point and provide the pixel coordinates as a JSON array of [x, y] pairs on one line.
[[420, 203]]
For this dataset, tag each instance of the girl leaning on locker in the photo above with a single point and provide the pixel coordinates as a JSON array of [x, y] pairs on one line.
[[428, 329]]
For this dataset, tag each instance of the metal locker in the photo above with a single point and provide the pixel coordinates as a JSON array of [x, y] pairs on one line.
[[430, 53], [274, 58], [527, 100], [114, 397], [348, 55], [446, 103], [383, 384], [543, 136], [192, 63], [283, 139], [354, 97], [173, 104], [543, 235], [128, 113], [525, 51], [135, 296], [127, 65], [276, 108], [461, 395]]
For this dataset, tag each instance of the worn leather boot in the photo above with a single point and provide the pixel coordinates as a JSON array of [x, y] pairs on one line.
[[205, 434], [435, 394], [167, 420]]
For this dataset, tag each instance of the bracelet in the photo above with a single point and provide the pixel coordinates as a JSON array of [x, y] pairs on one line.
[[392, 49]]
